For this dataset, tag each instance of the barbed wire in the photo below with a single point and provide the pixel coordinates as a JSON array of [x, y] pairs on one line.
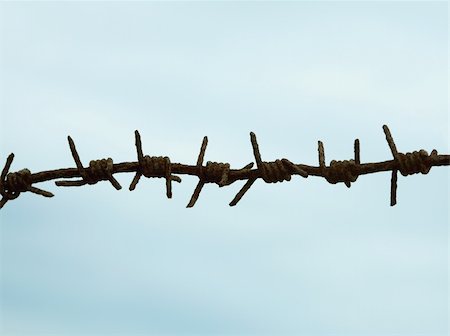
[[12, 184]]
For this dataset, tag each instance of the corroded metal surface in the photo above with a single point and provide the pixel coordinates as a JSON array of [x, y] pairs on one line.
[[12, 184]]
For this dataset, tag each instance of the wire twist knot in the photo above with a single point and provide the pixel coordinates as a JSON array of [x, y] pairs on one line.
[[153, 166], [216, 172], [19, 181], [98, 170], [213, 172], [415, 162], [276, 171], [407, 164], [12, 184], [341, 171], [271, 172]]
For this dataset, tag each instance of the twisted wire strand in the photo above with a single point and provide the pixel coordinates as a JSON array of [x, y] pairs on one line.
[[98, 170], [213, 172], [408, 164], [12, 184], [153, 166], [346, 171], [271, 172], [15, 183]]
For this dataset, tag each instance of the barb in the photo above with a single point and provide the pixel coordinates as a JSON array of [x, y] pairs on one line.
[[213, 172], [99, 170], [340, 171], [271, 172], [408, 164], [12, 184], [153, 166]]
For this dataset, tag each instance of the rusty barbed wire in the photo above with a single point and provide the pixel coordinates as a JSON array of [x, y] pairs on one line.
[[12, 184]]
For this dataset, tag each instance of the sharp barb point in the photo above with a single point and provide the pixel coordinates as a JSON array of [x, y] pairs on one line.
[[3, 202], [394, 187], [357, 152], [321, 154], [196, 194], [135, 181], [201, 155], [242, 192]]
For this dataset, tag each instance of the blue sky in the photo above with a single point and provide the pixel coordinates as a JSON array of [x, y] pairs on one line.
[[298, 258]]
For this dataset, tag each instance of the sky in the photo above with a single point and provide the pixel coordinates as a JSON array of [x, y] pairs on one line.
[[298, 258]]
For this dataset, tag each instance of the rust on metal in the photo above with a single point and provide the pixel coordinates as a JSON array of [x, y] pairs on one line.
[[12, 184]]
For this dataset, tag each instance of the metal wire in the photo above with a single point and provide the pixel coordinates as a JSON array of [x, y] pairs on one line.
[[12, 184]]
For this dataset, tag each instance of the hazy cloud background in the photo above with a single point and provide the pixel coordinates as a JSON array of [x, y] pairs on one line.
[[300, 258]]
